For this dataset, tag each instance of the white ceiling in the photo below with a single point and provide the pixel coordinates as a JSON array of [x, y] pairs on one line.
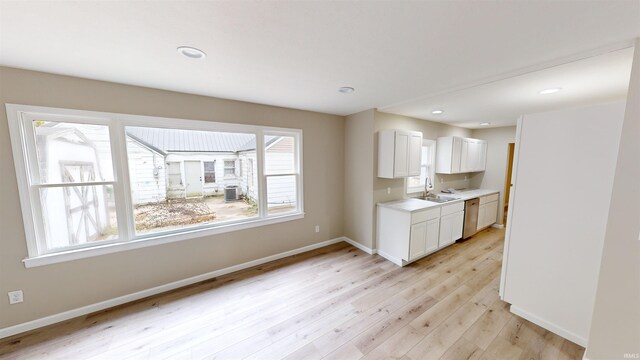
[[596, 79], [296, 54]]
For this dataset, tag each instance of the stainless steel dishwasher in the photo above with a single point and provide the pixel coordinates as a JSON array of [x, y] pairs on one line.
[[470, 217]]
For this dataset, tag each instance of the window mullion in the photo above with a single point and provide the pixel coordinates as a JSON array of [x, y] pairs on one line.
[[122, 191], [262, 179]]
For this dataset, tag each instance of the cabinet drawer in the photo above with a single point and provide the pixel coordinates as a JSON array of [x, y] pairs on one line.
[[453, 208], [424, 215], [489, 198]]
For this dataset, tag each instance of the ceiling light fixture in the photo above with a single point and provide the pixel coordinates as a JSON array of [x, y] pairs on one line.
[[191, 52], [437, 112], [346, 89], [549, 91], [485, 123]]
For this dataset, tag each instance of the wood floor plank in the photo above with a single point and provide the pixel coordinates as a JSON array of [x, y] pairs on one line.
[[336, 302]]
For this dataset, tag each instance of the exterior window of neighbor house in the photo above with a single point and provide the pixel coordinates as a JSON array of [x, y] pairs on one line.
[[416, 184], [174, 174], [209, 172], [229, 168], [87, 179]]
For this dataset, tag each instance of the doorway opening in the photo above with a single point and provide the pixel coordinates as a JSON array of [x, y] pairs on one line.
[[507, 184]]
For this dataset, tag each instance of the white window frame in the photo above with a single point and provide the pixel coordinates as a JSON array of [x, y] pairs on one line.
[[425, 163], [297, 172], [204, 172], [19, 130], [235, 168]]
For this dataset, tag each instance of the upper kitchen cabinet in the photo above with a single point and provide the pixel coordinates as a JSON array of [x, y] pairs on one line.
[[399, 153], [455, 155]]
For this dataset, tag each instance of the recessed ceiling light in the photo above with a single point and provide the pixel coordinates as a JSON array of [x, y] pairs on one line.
[[191, 52], [549, 91], [485, 123], [437, 112], [346, 89]]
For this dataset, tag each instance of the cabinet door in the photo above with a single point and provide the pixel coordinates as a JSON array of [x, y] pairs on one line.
[[457, 224], [433, 230], [464, 155], [456, 155], [482, 156], [482, 209], [415, 154], [446, 229], [417, 244], [450, 228], [491, 213], [401, 155]]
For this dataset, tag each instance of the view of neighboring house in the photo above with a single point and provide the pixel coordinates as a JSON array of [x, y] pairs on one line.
[[178, 164]]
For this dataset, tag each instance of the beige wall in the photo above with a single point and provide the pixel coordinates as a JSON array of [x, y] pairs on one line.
[[494, 176], [55, 288], [615, 326], [358, 171]]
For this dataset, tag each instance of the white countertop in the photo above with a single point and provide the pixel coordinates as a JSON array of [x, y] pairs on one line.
[[413, 204]]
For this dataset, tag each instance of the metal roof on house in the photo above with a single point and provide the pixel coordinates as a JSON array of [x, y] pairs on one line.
[[173, 140]]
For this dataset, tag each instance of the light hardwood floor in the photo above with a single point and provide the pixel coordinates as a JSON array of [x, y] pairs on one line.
[[332, 303]]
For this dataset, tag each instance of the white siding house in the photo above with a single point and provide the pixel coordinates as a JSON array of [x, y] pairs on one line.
[[178, 164]]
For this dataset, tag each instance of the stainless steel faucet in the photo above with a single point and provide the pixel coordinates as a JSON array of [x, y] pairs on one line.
[[427, 185]]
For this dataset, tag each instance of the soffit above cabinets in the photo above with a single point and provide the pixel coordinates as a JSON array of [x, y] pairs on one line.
[[298, 54]]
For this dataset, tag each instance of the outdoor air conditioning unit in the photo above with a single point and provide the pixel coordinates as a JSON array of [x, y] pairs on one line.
[[231, 193]]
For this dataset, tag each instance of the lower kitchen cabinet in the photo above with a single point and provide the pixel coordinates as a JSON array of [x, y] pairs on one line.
[[405, 236], [424, 238], [488, 211], [450, 228]]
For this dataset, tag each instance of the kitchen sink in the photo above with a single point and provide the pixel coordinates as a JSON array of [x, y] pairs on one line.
[[437, 199]]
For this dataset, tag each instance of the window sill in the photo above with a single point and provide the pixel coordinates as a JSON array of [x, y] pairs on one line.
[[152, 241]]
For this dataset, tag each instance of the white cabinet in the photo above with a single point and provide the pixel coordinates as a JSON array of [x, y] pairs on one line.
[[405, 236], [448, 154], [473, 155], [424, 239], [456, 155], [451, 224], [488, 211], [399, 153]]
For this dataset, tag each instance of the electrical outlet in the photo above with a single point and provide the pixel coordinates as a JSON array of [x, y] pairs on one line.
[[441, 180], [15, 297], [317, 228], [388, 190], [465, 177]]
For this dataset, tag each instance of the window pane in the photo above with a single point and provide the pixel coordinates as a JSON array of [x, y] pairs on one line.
[[229, 168], [72, 153], [280, 155], [209, 171], [75, 215], [282, 194], [174, 183]]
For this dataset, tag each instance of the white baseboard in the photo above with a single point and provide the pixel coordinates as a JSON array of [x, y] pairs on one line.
[[52, 319], [360, 246], [497, 226], [390, 258], [549, 326]]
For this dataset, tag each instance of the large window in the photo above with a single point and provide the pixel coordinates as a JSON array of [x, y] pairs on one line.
[[424, 182], [92, 182]]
